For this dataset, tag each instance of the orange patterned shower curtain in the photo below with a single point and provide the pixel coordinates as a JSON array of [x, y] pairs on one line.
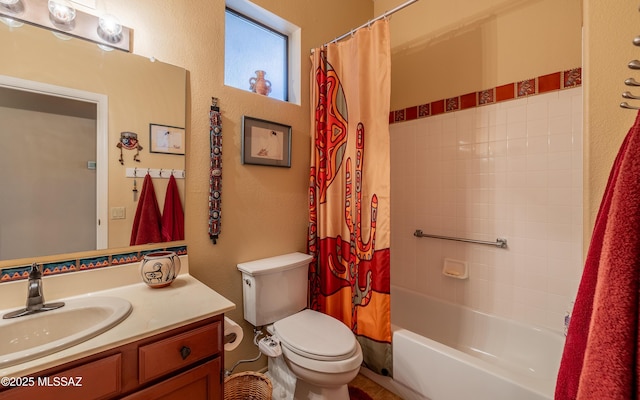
[[349, 227]]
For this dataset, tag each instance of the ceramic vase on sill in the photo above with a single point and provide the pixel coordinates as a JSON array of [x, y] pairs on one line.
[[260, 85], [160, 268]]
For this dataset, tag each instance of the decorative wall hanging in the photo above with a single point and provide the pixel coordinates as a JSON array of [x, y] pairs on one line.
[[166, 139], [215, 173], [265, 143], [129, 141]]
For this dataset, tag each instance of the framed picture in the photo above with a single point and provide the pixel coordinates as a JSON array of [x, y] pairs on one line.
[[166, 139], [265, 143]]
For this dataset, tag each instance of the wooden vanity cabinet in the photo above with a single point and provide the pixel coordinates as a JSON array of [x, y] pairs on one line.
[[183, 363]]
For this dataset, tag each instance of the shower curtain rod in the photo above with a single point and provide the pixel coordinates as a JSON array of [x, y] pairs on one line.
[[385, 15]]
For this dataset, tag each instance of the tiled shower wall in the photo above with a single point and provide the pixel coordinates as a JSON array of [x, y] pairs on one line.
[[511, 169]]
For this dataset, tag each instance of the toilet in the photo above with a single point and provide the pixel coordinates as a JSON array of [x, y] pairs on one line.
[[320, 351]]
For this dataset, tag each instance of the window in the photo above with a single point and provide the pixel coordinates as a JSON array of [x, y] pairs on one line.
[[256, 40]]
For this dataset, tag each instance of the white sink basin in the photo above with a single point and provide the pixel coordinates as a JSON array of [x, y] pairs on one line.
[[34, 336]]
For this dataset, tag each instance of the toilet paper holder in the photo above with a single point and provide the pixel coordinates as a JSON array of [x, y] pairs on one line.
[[232, 335]]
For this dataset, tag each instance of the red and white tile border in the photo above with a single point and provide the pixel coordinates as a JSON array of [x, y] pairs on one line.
[[529, 87]]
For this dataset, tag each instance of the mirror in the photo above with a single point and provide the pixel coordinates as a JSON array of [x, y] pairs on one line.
[[68, 100]]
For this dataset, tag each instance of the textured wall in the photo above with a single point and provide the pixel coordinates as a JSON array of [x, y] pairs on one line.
[[264, 209], [444, 48], [608, 34]]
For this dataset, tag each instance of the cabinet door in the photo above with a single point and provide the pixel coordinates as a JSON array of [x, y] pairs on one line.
[[199, 383], [92, 381]]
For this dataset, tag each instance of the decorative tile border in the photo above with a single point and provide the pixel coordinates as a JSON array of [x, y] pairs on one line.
[[94, 262], [528, 87], [58, 267], [10, 274]]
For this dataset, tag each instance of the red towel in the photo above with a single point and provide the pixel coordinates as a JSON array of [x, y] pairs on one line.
[[600, 358], [147, 222], [172, 214]]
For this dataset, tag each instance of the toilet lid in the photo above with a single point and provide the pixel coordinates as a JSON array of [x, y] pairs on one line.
[[316, 335]]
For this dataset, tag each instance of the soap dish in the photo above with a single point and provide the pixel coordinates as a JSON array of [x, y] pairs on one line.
[[455, 269]]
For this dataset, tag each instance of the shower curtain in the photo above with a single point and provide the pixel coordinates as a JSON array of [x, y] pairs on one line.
[[349, 224]]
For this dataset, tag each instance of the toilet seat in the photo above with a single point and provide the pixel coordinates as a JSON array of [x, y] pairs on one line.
[[352, 361], [316, 336]]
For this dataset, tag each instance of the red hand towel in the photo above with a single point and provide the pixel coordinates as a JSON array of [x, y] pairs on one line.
[[147, 222], [600, 353], [172, 214]]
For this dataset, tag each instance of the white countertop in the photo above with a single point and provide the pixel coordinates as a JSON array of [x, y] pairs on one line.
[[154, 311]]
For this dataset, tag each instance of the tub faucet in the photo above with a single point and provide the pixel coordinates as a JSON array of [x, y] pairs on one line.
[[35, 296]]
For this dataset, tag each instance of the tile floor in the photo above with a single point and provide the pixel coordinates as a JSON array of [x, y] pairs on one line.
[[374, 390]]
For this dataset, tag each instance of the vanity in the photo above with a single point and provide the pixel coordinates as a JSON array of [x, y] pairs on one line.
[[169, 347]]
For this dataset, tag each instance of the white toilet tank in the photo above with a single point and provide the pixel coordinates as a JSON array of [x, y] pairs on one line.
[[274, 288]]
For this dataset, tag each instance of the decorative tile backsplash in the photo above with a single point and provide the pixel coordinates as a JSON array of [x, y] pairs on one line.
[[528, 87], [82, 264]]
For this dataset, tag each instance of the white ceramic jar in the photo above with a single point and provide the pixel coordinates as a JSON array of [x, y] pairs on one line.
[[160, 268]]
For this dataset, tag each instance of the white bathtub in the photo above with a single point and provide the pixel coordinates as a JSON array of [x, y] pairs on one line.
[[442, 351]]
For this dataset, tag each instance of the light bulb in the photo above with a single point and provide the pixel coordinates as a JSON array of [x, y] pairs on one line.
[[110, 25], [61, 12], [15, 7], [109, 28]]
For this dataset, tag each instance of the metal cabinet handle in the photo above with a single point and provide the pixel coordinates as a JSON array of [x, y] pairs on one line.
[[184, 352]]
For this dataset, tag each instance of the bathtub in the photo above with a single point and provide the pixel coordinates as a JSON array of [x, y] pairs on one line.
[[442, 351]]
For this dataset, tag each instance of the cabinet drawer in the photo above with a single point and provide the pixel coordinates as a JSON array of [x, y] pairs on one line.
[[99, 379], [167, 355], [199, 383]]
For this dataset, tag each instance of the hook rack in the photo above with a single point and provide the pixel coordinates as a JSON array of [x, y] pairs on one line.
[[155, 173], [634, 65]]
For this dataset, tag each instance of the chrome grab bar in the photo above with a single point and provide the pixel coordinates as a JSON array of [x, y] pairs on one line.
[[500, 242]]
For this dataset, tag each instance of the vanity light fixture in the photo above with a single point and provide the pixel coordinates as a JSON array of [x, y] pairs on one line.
[[59, 16]]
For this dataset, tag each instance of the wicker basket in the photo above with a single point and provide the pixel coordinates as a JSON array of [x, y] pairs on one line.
[[247, 386]]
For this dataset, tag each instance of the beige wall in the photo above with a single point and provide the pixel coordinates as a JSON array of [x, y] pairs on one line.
[[609, 30], [264, 209], [444, 48]]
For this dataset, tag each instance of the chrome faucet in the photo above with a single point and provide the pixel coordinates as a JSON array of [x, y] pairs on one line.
[[35, 296]]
